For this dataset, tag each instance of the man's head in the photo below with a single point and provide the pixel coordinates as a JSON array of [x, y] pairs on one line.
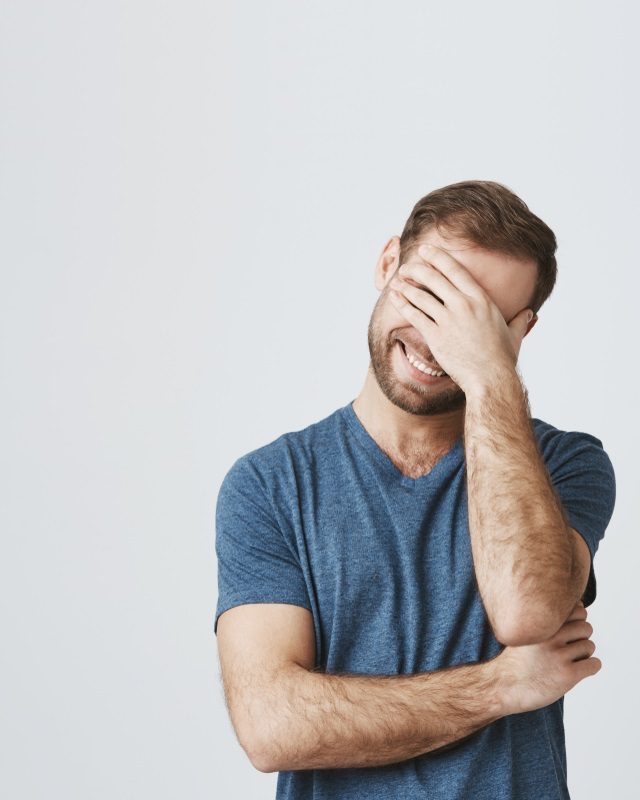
[[507, 249]]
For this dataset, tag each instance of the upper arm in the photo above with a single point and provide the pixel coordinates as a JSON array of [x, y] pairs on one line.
[[584, 479], [258, 559], [256, 643], [263, 618]]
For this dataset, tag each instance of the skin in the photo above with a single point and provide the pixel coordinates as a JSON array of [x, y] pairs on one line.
[[289, 716], [464, 309], [414, 423]]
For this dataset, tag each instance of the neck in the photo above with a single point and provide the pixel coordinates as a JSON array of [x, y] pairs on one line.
[[403, 431]]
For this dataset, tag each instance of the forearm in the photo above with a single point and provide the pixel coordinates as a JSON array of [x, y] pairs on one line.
[[313, 720], [522, 549]]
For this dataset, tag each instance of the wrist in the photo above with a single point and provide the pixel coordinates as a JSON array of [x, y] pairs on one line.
[[500, 687], [501, 381]]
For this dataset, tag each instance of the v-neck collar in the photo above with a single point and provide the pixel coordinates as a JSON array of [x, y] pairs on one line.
[[370, 444]]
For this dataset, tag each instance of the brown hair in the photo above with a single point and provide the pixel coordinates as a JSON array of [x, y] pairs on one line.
[[490, 215]]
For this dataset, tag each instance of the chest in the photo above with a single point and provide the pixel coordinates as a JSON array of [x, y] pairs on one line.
[[392, 578]]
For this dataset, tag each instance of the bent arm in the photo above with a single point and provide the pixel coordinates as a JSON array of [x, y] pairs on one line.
[[313, 720], [523, 549]]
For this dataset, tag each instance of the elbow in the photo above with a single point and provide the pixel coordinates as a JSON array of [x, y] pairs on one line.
[[273, 756], [526, 629], [260, 757], [262, 763], [268, 749], [259, 753], [264, 734]]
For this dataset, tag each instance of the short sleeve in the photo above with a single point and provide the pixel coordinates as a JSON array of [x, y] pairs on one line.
[[255, 562], [584, 479]]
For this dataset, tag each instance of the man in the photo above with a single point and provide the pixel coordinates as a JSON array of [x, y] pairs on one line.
[[402, 585]]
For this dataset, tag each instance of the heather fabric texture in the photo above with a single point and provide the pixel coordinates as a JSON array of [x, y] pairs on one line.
[[322, 518]]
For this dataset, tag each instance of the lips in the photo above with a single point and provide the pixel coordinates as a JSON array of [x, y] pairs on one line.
[[416, 354]]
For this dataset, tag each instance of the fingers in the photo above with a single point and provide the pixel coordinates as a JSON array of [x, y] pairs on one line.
[[453, 270], [424, 301], [578, 612], [432, 279], [570, 631], [587, 666], [583, 648]]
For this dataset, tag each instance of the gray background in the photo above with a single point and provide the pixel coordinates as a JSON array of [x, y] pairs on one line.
[[193, 198]]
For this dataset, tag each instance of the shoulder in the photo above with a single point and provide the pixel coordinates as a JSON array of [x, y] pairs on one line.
[[550, 437], [560, 447], [289, 453]]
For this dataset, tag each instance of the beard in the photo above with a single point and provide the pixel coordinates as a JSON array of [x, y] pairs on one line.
[[411, 396]]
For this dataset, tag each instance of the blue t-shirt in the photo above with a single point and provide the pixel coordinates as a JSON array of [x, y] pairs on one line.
[[322, 518]]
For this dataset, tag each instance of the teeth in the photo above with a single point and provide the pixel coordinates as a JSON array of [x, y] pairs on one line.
[[423, 367]]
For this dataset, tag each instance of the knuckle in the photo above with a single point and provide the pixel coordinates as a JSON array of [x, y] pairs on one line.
[[466, 303]]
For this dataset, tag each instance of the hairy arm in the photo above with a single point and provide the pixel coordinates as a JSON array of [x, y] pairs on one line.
[[315, 720], [524, 555]]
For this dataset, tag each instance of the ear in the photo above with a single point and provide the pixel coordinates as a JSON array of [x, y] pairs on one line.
[[388, 263], [531, 324], [520, 324]]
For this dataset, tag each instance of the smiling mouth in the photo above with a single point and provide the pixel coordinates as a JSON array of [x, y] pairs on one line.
[[416, 363]]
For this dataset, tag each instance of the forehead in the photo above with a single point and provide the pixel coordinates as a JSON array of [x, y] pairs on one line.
[[508, 280]]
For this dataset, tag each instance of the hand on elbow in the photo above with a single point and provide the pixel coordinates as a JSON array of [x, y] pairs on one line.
[[536, 675]]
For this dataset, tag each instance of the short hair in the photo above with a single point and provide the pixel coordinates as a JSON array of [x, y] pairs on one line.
[[490, 215]]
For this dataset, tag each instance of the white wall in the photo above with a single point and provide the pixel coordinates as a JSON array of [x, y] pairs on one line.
[[186, 183]]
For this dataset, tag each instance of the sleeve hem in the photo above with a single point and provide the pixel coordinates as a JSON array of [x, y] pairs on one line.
[[288, 600]]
